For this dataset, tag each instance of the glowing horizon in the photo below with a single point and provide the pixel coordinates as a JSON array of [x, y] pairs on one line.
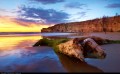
[[8, 24]]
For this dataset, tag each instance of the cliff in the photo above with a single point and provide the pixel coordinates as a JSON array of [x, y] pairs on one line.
[[108, 24]]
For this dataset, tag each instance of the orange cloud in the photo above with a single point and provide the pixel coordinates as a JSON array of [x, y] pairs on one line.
[[8, 24]]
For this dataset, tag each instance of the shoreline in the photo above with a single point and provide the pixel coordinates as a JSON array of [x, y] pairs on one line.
[[108, 35]]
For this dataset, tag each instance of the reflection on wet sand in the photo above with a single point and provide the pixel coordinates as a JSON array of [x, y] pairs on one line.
[[10, 45], [75, 65], [11, 42], [31, 59], [18, 55]]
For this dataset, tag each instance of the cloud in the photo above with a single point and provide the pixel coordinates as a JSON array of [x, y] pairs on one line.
[[75, 5], [48, 1], [42, 15], [114, 5], [3, 10], [34, 20], [82, 14], [78, 16]]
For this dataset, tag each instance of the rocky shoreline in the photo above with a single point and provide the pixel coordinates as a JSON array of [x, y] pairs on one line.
[[80, 48]]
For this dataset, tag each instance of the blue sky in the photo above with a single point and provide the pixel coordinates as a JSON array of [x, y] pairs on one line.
[[58, 11]]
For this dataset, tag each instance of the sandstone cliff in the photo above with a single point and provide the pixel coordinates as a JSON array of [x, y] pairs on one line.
[[109, 24]]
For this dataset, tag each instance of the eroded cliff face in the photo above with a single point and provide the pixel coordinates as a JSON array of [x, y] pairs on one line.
[[109, 24]]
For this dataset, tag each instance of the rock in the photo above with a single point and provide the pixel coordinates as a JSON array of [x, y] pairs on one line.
[[112, 24], [92, 49], [99, 40], [82, 48], [72, 49]]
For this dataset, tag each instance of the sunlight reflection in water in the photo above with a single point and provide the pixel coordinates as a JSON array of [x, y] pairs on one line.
[[17, 54]]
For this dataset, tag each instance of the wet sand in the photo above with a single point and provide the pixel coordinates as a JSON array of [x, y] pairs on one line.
[[30, 59], [112, 60], [19, 56], [108, 35], [44, 59]]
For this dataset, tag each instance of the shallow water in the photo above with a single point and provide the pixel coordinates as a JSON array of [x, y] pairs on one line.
[[18, 55], [112, 60]]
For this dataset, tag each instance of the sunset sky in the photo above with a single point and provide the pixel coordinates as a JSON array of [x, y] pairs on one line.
[[33, 15]]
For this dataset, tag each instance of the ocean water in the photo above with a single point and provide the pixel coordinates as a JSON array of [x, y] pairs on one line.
[[18, 55]]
